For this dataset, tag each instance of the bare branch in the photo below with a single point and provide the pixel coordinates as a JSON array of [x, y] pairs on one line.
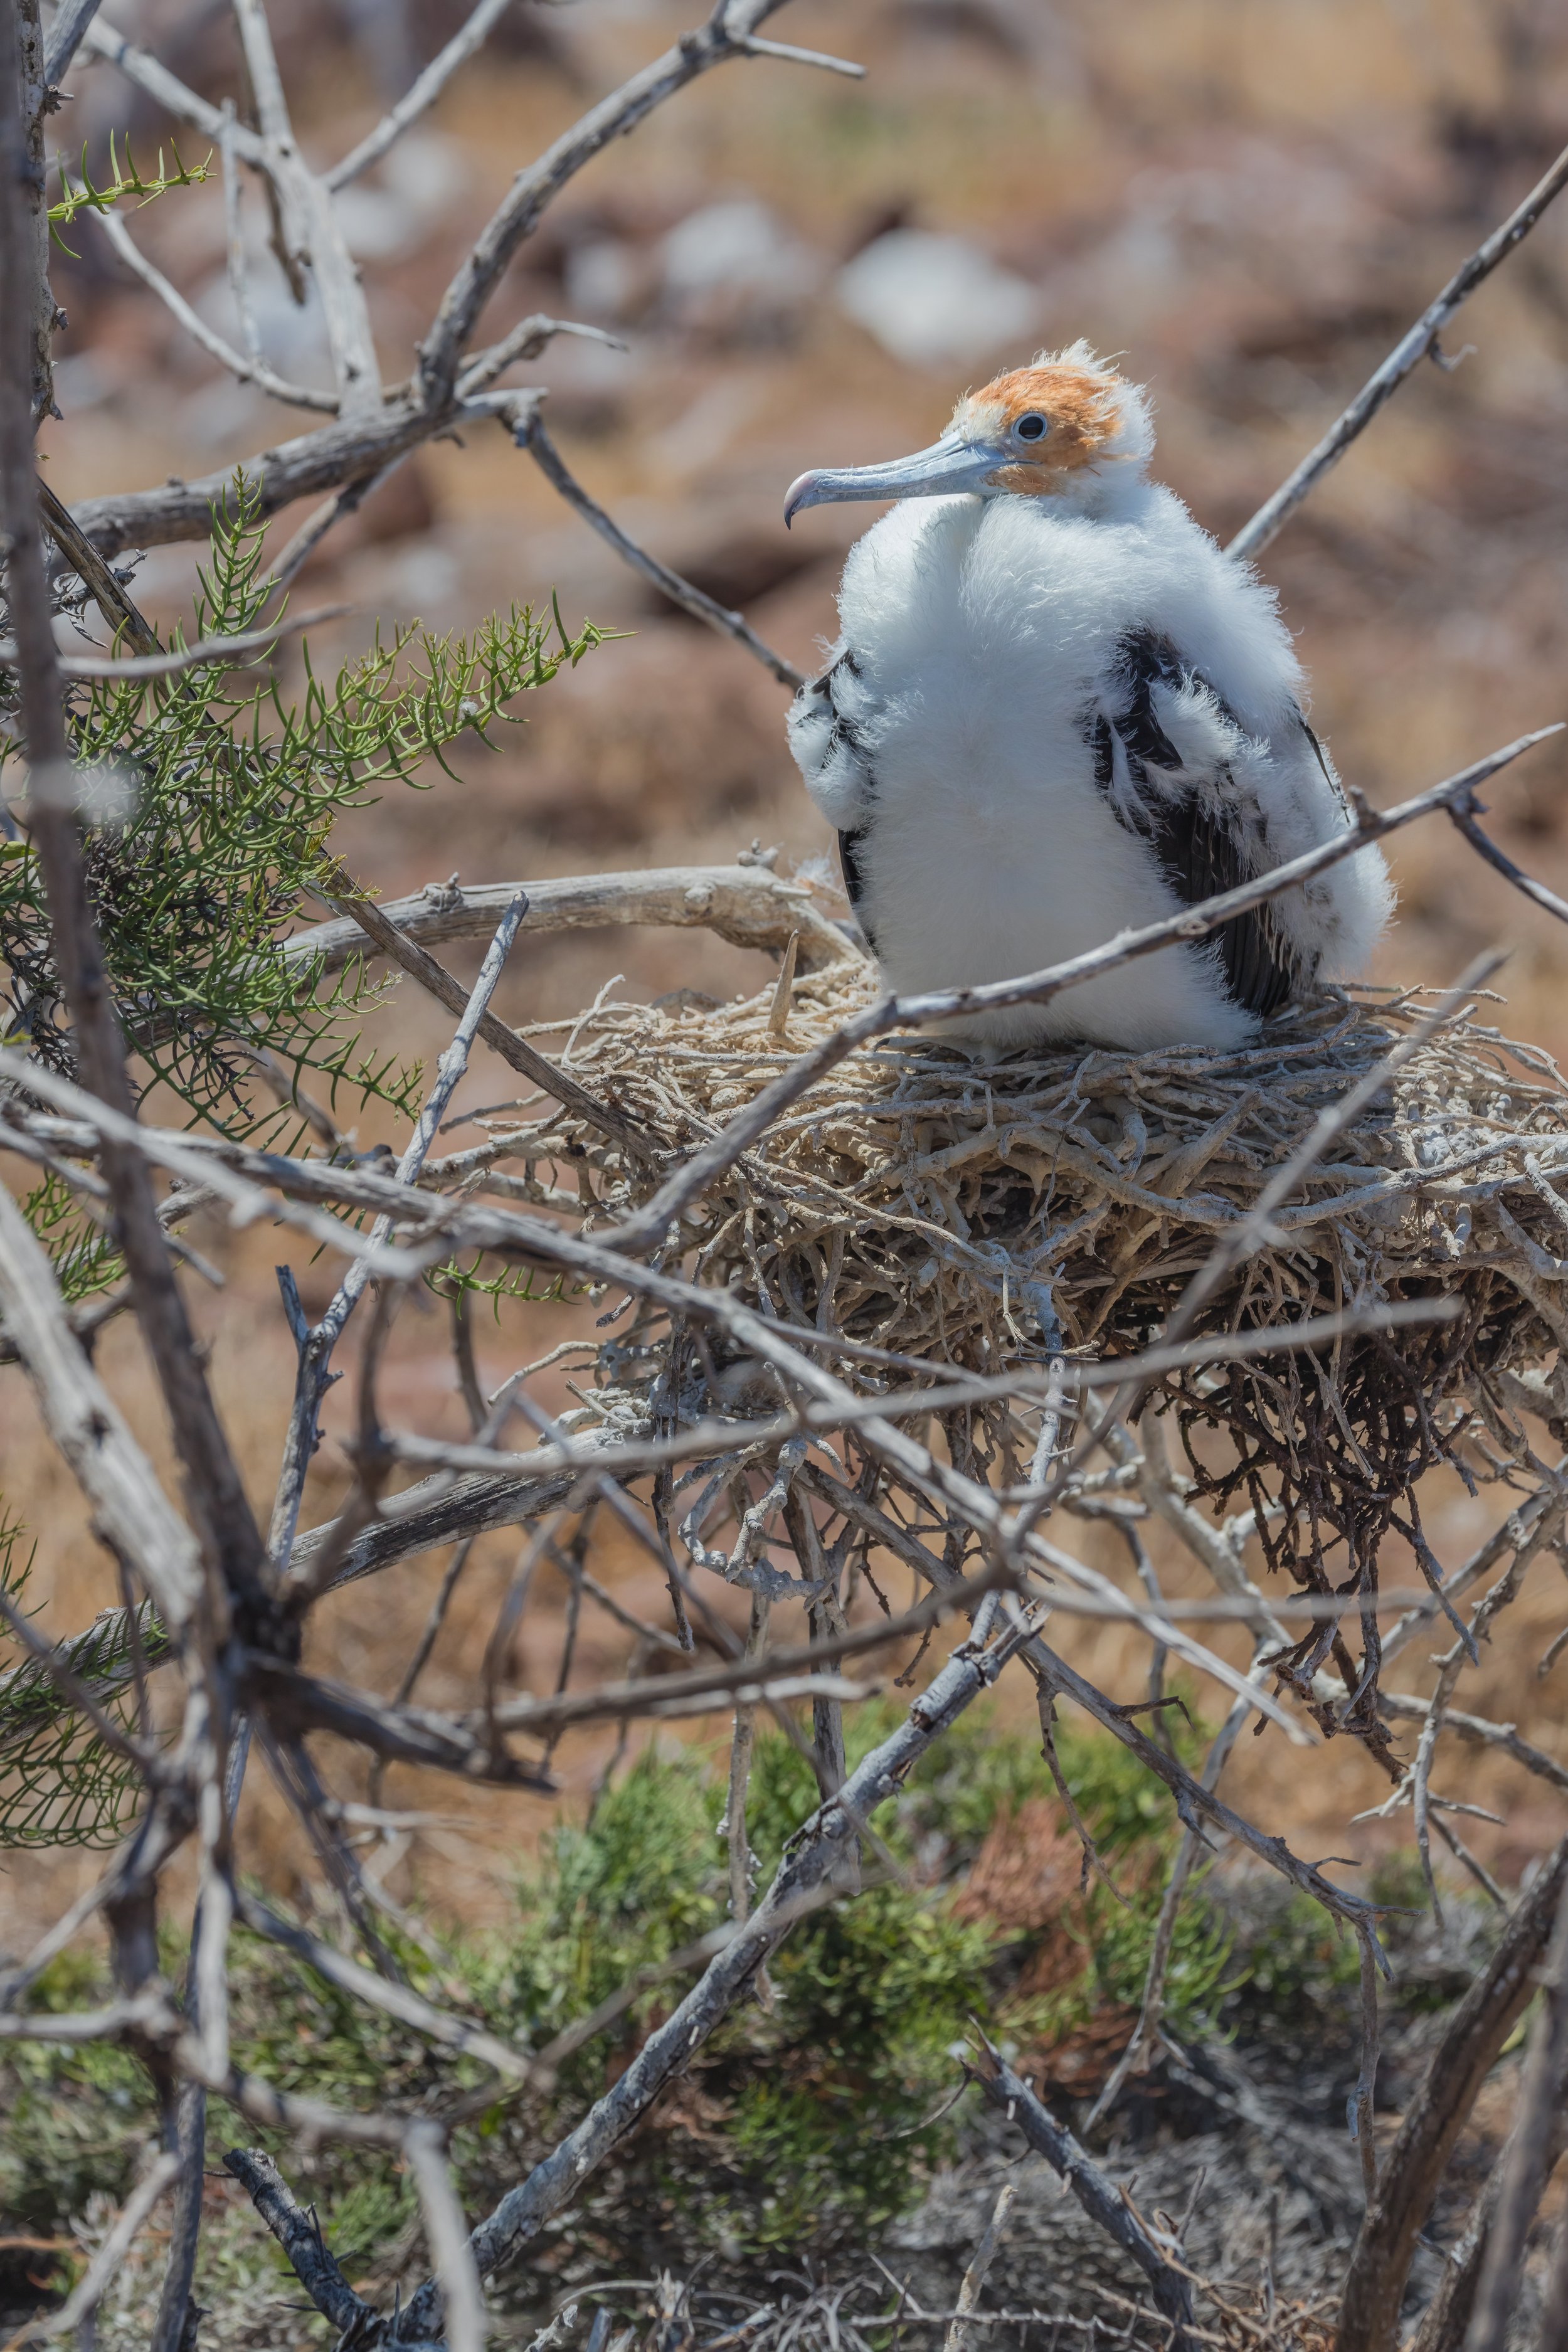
[[312, 236], [1403, 359], [1528, 2159], [130, 1508], [1362, 2097], [397, 2001], [1477, 1729], [248, 368], [337, 456], [77, 2310], [109, 594], [723, 36], [184, 1158], [744, 904], [1434, 2118], [1111, 2207], [1504, 865], [370, 919], [234, 239], [170, 94], [527, 428], [299, 2235], [979, 2261], [1146, 2034], [215, 1491], [813, 1860], [446, 2233], [422, 94], [204, 652], [526, 340], [293, 557], [316, 1353], [791, 55], [68, 30]]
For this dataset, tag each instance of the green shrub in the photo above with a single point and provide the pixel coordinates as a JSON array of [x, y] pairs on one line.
[[810, 2116]]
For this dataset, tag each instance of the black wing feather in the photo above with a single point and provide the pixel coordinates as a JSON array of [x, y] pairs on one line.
[[1199, 854], [846, 736]]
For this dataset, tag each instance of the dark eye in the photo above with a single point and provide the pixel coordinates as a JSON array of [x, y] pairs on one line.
[[1032, 428]]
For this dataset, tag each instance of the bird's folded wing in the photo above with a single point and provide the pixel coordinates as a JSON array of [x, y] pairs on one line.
[[1188, 809]]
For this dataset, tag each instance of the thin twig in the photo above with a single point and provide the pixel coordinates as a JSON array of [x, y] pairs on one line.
[[526, 425], [315, 1355], [422, 94], [1403, 361]]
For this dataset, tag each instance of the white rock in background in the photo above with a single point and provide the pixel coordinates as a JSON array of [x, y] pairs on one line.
[[736, 265], [419, 180], [292, 335], [605, 280], [929, 300]]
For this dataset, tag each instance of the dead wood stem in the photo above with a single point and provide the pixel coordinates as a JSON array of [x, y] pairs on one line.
[[1528, 2159], [1380, 2264], [813, 1860], [214, 1491], [1106, 2205], [1421, 342], [315, 1351], [439, 983]]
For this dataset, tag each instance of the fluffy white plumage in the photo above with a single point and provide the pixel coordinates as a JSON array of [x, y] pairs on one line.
[[1057, 708]]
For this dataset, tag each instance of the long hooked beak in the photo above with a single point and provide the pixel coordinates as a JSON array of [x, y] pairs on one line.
[[949, 466]]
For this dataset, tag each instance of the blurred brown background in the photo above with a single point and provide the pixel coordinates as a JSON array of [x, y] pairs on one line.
[[1249, 199]]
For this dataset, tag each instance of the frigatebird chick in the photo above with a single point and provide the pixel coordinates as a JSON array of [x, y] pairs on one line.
[[1059, 710]]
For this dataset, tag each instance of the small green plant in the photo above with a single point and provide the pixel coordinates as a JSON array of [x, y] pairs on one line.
[[208, 801], [811, 2116], [225, 796], [84, 196], [59, 1784]]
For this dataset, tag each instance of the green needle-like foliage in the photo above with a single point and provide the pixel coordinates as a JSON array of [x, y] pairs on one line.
[[208, 801], [59, 1784], [84, 196], [215, 799]]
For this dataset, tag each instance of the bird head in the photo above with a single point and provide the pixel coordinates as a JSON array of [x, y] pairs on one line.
[[1046, 430]]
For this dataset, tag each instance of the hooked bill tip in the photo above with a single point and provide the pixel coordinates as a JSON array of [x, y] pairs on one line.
[[799, 495]]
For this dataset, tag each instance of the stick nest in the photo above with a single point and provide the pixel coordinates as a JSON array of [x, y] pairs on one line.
[[988, 1212]]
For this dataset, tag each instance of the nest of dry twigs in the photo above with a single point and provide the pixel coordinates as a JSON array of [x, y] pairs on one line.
[[992, 1212]]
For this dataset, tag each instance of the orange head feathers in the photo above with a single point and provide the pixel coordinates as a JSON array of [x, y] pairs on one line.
[[1038, 431]]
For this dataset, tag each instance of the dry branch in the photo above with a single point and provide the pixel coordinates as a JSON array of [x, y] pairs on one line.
[[746, 905], [1109, 2207], [1421, 342], [1380, 2265], [813, 1859]]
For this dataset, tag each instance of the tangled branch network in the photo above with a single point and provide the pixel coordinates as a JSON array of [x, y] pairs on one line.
[[861, 1299]]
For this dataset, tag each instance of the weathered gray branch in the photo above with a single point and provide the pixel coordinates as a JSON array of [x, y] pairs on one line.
[[1380, 2265], [299, 2235], [1104, 2204], [373, 922], [421, 95], [527, 427], [248, 368], [725, 36], [1406, 356], [130, 1508], [746, 905]]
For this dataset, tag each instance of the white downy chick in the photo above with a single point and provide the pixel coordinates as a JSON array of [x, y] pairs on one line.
[[1058, 710]]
